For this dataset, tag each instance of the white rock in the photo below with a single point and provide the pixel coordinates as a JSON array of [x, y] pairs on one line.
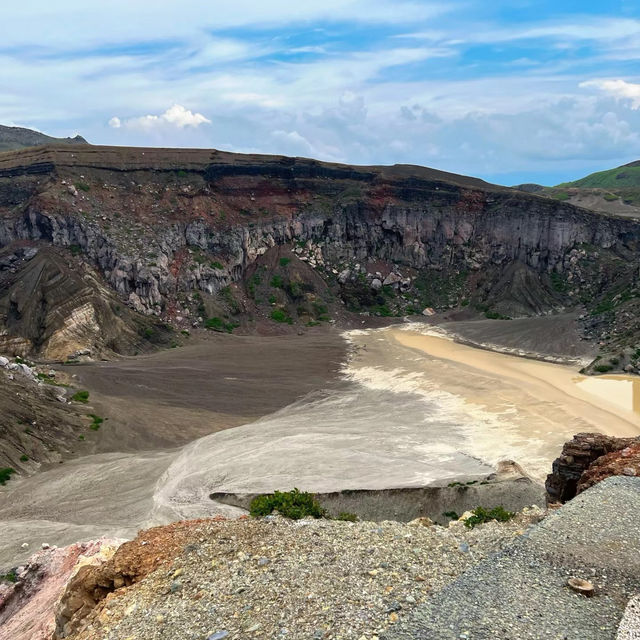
[[428, 312], [4, 361], [376, 284], [392, 278]]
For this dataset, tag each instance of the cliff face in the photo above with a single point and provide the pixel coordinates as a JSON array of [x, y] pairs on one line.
[[160, 225]]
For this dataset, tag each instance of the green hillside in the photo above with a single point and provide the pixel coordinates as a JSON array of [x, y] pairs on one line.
[[625, 177]]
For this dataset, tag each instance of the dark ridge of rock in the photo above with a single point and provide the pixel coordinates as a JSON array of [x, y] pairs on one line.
[[168, 229], [529, 187], [571, 470], [12, 138]]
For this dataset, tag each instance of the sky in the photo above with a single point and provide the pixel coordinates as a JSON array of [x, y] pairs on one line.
[[510, 91]]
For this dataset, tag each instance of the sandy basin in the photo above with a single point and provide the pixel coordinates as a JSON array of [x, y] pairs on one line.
[[406, 409]]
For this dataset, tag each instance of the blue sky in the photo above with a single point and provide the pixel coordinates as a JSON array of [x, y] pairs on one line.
[[515, 91]]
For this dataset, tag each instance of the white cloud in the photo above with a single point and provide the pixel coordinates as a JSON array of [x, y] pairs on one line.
[[619, 89], [175, 116]]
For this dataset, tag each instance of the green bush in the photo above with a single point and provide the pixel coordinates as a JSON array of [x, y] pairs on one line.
[[277, 282], [216, 265], [279, 315], [81, 396], [24, 458], [284, 261], [603, 368], [5, 474], [451, 514], [294, 504], [482, 515], [345, 516], [218, 324], [12, 576], [97, 421]]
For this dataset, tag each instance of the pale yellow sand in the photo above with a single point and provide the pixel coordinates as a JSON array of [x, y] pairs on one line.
[[544, 395]]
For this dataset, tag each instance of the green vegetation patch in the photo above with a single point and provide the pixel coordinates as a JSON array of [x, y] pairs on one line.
[[83, 186], [346, 516], [81, 396], [482, 515], [5, 474], [280, 315], [293, 504], [97, 421], [220, 325], [284, 261]]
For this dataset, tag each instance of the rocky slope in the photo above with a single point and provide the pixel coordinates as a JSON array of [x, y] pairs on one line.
[[19, 138], [38, 423], [588, 459], [206, 238], [245, 578]]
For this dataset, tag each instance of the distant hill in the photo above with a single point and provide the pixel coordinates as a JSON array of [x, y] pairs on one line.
[[626, 176], [19, 138], [614, 191]]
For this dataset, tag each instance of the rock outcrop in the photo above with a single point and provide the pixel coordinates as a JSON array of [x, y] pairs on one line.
[[589, 458], [28, 600], [166, 228]]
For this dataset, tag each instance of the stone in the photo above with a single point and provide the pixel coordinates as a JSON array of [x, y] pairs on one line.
[[421, 522], [391, 279], [344, 276], [428, 311], [4, 361], [585, 460], [376, 284]]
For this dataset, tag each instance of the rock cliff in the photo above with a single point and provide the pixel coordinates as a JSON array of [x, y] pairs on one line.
[[192, 236]]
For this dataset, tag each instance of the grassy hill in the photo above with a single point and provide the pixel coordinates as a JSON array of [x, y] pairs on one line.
[[614, 191], [624, 177]]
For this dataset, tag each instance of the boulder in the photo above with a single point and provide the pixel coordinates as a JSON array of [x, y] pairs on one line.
[[391, 279], [577, 456], [376, 284]]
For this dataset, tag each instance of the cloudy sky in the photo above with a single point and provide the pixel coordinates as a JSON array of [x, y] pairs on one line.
[[508, 90]]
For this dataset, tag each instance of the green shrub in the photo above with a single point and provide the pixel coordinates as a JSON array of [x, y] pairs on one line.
[[284, 261], [603, 368], [482, 515], [345, 516], [294, 504], [81, 396], [277, 282], [5, 474], [279, 315], [12, 576], [218, 324], [97, 421], [216, 265], [83, 186], [451, 514], [24, 458], [75, 249], [494, 315]]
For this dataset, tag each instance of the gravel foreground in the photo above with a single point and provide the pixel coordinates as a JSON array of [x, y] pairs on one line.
[[274, 578]]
